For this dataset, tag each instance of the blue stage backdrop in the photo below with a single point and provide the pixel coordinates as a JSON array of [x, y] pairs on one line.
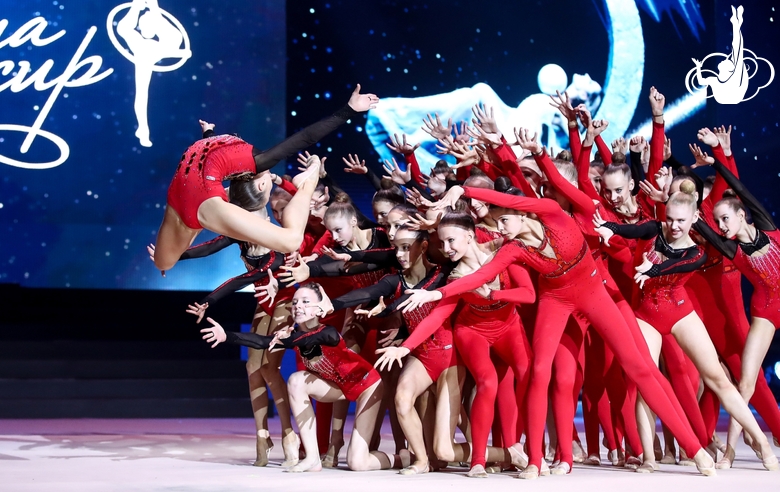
[[86, 221], [98, 100]]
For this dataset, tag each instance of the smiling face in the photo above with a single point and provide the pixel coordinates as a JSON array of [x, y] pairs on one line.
[[730, 221], [305, 305], [455, 241], [381, 209], [479, 209], [341, 227], [509, 223], [408, 248], [616, 188], [679, 219]]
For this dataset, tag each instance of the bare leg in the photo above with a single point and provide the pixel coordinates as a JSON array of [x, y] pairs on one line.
[[645, 418], [271, 373], [412, 383], [302, 387], [359, 458], [173, 239], [258, 393], [692, 337], [331, 457]]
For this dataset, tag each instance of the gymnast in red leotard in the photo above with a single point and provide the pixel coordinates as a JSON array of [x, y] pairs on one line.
[[485, 322], [669, 257], [197, 200], [333, 373], [754, 251], [552, 244]]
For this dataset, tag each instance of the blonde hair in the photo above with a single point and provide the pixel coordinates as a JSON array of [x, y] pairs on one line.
[[686, 196]]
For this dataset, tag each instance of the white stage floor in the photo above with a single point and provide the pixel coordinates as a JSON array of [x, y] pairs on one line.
[[217, 454]]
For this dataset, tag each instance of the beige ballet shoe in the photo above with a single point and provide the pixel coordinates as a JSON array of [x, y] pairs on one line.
[[704, 463], [291, 444], [647, 467], [263, 448], [594, 460], [331, 458], [531, 472], [578, 453], [545, 471], [493, 468], [727, 460], [771, 463], [633, 462], [415, 469], [717, 443], [668, 459], [304, 466], [560, 468], [477, 471], [518, 456]]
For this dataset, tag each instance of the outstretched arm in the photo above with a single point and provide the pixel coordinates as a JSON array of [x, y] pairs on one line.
[[506, 255]]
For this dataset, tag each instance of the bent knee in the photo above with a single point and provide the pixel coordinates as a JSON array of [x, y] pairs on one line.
[[444, 451], [357, 463], [296, 383]]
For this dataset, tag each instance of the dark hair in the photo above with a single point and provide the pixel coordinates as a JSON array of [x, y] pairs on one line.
[[502, 184], [441, 167], [564, 155], [732, 201], [481, 181], [392, 195], [341, 207], [422, 235], [386, 183], [406, 209], [314, 287], [619, 168], [475, 171], [509, 190], [460, 219], [279, 193], [618, 158], [600, 165], [245, 194]]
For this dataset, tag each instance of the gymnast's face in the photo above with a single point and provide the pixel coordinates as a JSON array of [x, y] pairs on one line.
[[305, 305], [617, 188], [730, 221], [277, 207], [679, 219], [381, 209], [479, 209], [341, 227], [456, 241], [408, 248], [594, 173], [509, 223], [395, 219]]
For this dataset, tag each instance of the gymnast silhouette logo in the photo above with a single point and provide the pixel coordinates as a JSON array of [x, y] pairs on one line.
[[730, 84], [151, 35]]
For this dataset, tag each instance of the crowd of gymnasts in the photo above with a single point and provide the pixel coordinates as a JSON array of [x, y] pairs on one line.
[[483, 292]]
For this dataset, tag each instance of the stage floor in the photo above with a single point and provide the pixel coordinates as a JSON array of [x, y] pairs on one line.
[[217, 454]]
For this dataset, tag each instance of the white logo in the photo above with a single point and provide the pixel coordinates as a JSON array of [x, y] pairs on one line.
[[730, 84], [151, 37]]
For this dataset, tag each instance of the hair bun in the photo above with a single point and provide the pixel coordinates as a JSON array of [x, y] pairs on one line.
[[688, 187], [729, 193], [342, 197]]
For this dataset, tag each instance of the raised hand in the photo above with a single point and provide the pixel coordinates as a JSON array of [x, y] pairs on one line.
[[204, 126], [281, 335], [417, 298], [215, 334], [481, 135], [584, 115], [637, 143], [562, 103], [336, 256], [654, 193], [706, 136], [597, 128], [434, 127], [198, 310], [667, 148], [389, 355], [605, 233], [724, 137], [401, 146], [527, 141], [311, 175], [420, 223], [484, 118], [465, 155], [267, 293], [398, 176], [373, 311], [702, 159], [306, 160], [355, 165], [414, 197], [437, 186], [362, 102], [620, 145], [295, 275], [641, 269], [657, 102], [317, 202], [449, 199], [461, 135]]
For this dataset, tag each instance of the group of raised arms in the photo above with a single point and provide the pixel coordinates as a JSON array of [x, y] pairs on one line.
[[484, 291]]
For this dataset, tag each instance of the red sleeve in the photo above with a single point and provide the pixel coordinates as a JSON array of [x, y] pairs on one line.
[[506, 255], [656, 153], [543, 207], [647, 205], [508, 164], [288, 187], [581, 203], [411, 161], [489, 169], [462, 173], [575, 144], [583, 174], [522, 291], [325, 240], [431, 323], [604, 151]]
